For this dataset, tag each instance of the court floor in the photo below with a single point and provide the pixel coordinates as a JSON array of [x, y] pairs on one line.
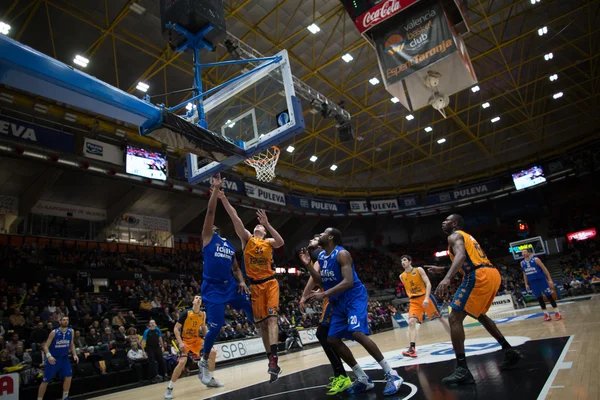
[[566, 367]]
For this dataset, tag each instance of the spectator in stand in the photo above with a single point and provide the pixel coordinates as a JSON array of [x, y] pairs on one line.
[[95, 325], [153, 346], [17, 321], [5, 361], [74, 310], [85, 308], [23, 359], [130, 319], [94, 341], [11, 346], [39, 334], [156, 304], [145, 307], [52, 306], [133, 337], [136, 358], [121, 337], [118, 320], [80, 343], [109, 338], [99, 308]]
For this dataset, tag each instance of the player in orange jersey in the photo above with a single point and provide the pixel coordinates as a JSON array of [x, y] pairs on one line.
[[264, 288], [418, 288], [474, 296]]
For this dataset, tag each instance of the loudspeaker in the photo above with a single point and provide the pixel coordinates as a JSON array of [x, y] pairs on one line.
[[345, 132], [193, 15]]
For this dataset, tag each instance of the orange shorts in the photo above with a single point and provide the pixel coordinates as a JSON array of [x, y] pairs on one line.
[[265, 299], [417, 310], [193, 346], [477, 291], [326, 313]]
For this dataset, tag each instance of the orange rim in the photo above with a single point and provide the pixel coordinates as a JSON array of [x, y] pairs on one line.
[[275, 155]]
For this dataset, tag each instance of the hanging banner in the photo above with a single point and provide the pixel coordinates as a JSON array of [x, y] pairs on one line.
[[412, 41], [9, 386], [9, 205], [581, 235], [68, 211], [384, 205], [359, 206], [264, 194], [103, 151], [408, 201], [145, 222], [13, 129], [230, 184], [318, 205], [380, 13], [475, 190]]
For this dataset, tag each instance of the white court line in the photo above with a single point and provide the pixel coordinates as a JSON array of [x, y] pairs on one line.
[[560, 364], [556, 387], [413, 391]]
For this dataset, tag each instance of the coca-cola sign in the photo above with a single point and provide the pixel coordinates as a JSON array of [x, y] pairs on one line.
[[380, 13]]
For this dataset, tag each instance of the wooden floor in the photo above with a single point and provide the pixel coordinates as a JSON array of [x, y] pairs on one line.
[[579, 382]]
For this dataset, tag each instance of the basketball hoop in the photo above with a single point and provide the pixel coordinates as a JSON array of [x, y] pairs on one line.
[[264, 163]]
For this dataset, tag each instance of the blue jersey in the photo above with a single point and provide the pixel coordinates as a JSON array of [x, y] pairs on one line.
[[331, 271], [532, 270], [218, 259], [61, 343]]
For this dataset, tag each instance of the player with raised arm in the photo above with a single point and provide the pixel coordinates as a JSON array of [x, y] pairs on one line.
[[349, 320], [222, 281], [474, 296], [538, 280], [340, 381], [418, 288], [190, 342], [264, 288], [57, 348]]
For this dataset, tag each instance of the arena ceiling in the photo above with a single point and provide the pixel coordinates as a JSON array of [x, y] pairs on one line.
[[391, 154]]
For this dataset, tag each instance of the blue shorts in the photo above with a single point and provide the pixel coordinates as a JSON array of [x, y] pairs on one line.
[[62, 368], [350, 313], [540, 287], [216, 296]]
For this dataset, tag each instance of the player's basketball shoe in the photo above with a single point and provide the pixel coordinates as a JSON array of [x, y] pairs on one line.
[[339, 384], [274, 369], [393, 383], [558, 316], [411, 352], [511, 357], [547, 317], [331, 381], [462, 376], [203, 372], [214, 383], [169, 393], [360, 387]]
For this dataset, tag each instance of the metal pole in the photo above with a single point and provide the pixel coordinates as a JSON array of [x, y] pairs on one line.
[[199, 102]]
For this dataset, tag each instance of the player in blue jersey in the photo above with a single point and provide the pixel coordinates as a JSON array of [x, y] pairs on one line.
[[57, 347], [538, 280], [223, 282], [337, 277]]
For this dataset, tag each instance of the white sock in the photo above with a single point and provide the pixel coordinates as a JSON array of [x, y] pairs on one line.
[[65, 395], [385, 366], [171, 385], [360, 374]]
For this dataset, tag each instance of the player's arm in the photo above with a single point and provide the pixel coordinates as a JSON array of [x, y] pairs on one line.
[[240, 230], [312, 268], [457, 244], [543, 267], [204, 327], [345, 260], [74, 351], [144, 337], [434, 269], [209, 219], [276, 241], [427, 282], [239, 277], [525, 279], [46, 348]]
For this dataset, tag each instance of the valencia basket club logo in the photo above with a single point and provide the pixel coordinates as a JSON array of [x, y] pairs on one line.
[[394, 44]]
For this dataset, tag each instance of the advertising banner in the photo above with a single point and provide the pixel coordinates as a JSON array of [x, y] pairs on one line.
[[9, 205], [68, 211], [308, 336], [238, 349], [408, 201], [380, 13], [318, 205], [145, 222], [581, 235], [13, 129], [384, 205], [264, 194], [359, 206], [463, 193], [412, 41], [9, 387], [102, 151], [502, 303], [230, 184]]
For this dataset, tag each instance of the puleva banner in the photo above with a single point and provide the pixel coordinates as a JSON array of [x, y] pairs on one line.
[[261, 193], [21, 131], [318, 205], [98, 150]]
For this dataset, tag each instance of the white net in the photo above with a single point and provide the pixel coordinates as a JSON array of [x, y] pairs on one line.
[[264, 163]]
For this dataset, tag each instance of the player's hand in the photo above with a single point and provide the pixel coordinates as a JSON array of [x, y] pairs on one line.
[[426, 303], [316, 296], [301, 303], [243, 288], [551, 284], [76, 359], [527, 287], [443, 287], [304, 256], [217, 181], [262, 217], [434, 269], [181, 348], [52, 360]]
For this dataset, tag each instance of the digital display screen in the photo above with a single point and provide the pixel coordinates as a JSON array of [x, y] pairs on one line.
[[529, 177], [146, 163]]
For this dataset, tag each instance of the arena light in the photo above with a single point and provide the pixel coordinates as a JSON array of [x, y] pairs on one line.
[[4, 28], [374, 81], [428, 129], [553, 77], [81, 61], [291, 270], [495, 119], [143, 87], [70, 117], [229, 123], [441, 253], [290, 149], [347, 57], [548, 56], [557, 95], [535, 1], [136, 8], [333, 167], [394, 100], [189, 106], [485, 105], [475, 89], [542, 31], [313, 28], [410, 117], [442, 140], [314, 158]]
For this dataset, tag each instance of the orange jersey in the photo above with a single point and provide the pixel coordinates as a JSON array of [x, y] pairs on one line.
[[192, 324], [475, 255], [258, 259], [413, 282]]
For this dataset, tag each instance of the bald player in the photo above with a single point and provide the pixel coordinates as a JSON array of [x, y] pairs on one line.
[[264, 288], [474, 296]]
